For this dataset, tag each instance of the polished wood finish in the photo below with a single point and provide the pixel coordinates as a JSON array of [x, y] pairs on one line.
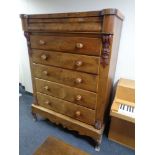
[[67, 108], [73, 59], [122, 132], [68, 122], [111, 23], [71, 94], [77, 62], [64, 20], [54, 146], [77, 45], [65, 27], [122, 127], [89, 14], [68, 77], [125, 93]]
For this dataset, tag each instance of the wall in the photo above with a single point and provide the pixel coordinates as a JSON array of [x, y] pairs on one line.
[[125, 63]]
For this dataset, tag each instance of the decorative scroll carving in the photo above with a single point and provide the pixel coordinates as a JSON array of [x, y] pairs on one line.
[[98, 125], [67, 126], [105, 56]]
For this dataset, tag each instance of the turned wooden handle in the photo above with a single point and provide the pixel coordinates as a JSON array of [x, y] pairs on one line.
[[78, 63], [47, 102], [78, 80], [46, 88], [78, 113], [42, 42], [78, 97], [44, 57], [79, 45], [45, 72]]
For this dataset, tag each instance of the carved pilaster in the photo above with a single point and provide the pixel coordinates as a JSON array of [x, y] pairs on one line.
[[105, 56]]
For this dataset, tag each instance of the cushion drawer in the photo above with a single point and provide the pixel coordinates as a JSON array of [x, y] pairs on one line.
[[74, 95], [77, 62], [68, 77], [67, 108], [80, 45], [83, 24]]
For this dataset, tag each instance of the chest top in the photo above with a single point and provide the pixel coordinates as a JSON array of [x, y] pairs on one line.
[[84, 22]]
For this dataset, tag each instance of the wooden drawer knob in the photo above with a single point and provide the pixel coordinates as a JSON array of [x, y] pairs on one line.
[[47, 102], [45, 72], [78, 113], [43, 57], [79, 63], [79, 45], [41, 42], [46, 88], [78, 80], [78, 97]]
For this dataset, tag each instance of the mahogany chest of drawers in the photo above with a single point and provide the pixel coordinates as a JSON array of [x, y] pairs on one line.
[[73, 59]]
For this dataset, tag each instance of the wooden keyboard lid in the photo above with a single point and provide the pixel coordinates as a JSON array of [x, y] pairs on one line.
[[125, 93]]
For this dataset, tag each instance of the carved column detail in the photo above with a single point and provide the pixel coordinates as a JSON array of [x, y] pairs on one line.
[[105, 56]]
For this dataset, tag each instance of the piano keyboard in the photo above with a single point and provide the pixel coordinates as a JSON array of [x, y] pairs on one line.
[[126, 110]]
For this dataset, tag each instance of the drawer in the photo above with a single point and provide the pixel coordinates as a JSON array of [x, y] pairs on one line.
[[68, 77], [86, 24], [67, 108], [71, 94], [80, 45], [77, 62]]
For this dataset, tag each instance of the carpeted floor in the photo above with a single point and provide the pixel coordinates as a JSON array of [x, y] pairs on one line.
[[32, 134]]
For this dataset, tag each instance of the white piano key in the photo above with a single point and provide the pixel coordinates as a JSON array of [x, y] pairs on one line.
[[126, 110]]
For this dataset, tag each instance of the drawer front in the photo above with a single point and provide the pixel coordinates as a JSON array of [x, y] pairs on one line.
[[77, 62], [86, 24], [90, 46], [68, 77], [74, 95], [67, 108]]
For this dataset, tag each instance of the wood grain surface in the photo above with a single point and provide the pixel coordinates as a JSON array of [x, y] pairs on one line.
[[71, 94], [77, 62], [67, 108], [68, 77], [54, 146], [90, 46], [73, 59]]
